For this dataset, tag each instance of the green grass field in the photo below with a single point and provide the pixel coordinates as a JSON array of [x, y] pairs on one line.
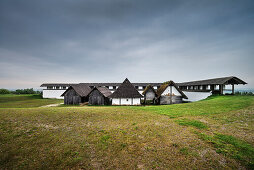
[[25, 101], [216, 133]]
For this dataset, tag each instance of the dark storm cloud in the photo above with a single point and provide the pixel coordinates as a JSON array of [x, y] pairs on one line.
[[94, 40]]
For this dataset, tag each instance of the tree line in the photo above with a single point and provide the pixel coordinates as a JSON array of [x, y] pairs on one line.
[[20, 91], [244, 93]]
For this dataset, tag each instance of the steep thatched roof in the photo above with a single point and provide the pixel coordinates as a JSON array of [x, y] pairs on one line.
[[126, 90], [215, 81], [147, 88], [163, 87], [103, 90], [81, 89]]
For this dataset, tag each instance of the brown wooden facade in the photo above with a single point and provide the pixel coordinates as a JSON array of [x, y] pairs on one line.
[[99, 96], [72, 98], [76, 94]]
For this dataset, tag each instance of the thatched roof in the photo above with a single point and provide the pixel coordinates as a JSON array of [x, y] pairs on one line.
[[163, 87], [147, 88], [126, 90], [215, 81], [103, 90], [81, 89]]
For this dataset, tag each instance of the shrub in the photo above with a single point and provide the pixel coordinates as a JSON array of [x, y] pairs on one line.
[[4, 91], [26, 91], [244, 93]]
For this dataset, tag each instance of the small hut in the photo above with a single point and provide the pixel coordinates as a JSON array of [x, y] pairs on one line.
[[126, 94], [149, 95], [76, 94], [99, 96], [169, 93]]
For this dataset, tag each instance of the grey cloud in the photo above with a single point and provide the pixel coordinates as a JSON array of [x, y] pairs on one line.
[[92, 40]]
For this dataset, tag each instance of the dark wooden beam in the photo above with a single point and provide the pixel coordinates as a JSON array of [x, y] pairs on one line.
[[221, 88], [212, 87], [204, 87]]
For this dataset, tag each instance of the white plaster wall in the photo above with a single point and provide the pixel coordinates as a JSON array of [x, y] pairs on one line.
[[116, 101], [56, 94], [125, 101], [136, 101], [196, 96], [174, 91]]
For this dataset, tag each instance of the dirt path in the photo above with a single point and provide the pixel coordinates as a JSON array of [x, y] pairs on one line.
[[52, 105]]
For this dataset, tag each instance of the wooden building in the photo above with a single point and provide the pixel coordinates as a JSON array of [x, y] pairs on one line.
[[55, 90], [149, 95], [99, 96], [76, 94], [126, 94], [216, 85], [169, 93]]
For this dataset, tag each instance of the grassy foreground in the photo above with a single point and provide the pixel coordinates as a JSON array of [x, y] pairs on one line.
[[25, 101], [212, 134]]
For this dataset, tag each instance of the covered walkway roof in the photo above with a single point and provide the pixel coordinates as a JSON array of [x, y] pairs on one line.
[[215, 81]]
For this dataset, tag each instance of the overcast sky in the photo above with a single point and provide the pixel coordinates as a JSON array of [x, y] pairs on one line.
[[48, 41]]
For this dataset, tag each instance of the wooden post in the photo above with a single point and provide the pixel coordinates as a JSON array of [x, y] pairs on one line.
[[170, 94], [204, 87], [144, 99], [212, 87], [233, 89], [221, 88]]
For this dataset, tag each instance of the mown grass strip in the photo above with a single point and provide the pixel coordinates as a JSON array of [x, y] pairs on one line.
[[231, 146], [195, 123]]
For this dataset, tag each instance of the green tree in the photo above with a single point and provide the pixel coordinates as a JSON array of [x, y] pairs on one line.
[[4, 91]]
